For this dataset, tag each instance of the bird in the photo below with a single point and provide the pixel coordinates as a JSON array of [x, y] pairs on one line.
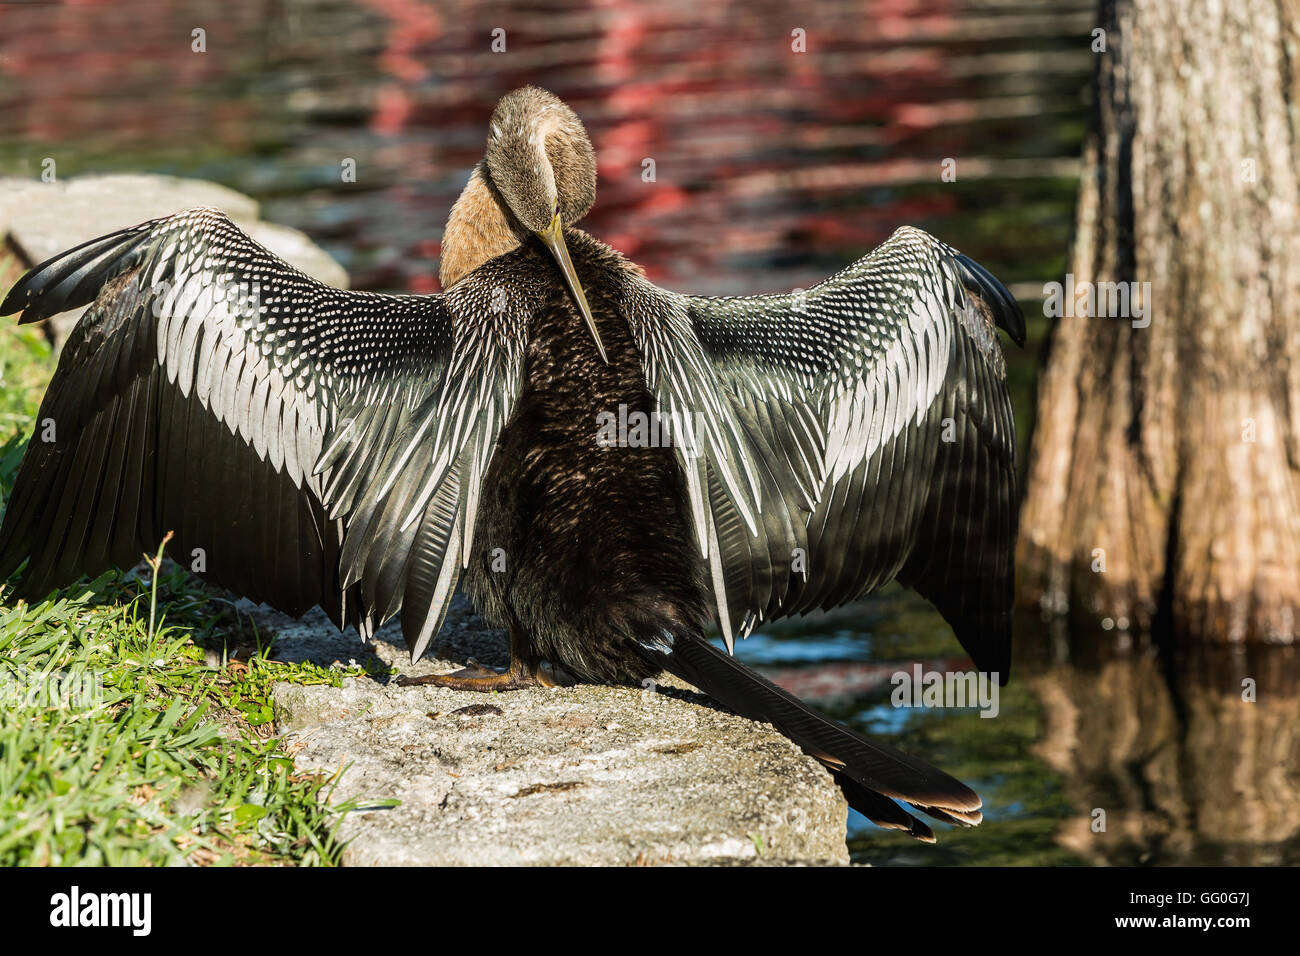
[[609, 468]]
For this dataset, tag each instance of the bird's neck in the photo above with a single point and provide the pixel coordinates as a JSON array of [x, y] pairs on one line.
[[478, 229]]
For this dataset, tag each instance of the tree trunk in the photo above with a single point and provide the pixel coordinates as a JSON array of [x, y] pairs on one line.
[[1186, 772], [1164, 480]]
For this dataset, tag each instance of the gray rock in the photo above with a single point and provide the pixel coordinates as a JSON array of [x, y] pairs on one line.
[[39, 220], [314, 638], [585, 775]]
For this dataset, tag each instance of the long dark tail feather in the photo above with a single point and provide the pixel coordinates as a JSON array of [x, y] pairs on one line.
[[880, 810], [958, 818], [871, 775]]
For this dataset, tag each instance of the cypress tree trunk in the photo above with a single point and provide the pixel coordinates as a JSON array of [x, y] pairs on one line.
[[1164, 481]]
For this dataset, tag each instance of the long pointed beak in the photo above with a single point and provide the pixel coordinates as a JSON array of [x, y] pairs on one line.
[[553, 236]]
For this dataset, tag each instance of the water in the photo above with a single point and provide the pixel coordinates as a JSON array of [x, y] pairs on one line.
[[771, 169], [1186, 770]]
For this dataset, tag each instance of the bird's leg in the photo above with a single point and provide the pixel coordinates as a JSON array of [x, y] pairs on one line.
[[525, 671]]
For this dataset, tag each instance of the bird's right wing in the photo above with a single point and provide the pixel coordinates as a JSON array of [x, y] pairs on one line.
[[306, 445]]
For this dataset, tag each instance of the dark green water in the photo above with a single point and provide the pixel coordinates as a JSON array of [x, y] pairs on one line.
[[773, 169], [1186, 770]]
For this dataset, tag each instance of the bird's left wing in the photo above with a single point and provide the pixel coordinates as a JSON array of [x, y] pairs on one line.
[[306, 444], [835, 439]]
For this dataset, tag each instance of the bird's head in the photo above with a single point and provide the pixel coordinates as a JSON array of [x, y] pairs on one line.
[[540, 159], [541, 163]]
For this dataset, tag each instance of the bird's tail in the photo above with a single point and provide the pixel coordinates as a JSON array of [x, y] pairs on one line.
[[871, 775]]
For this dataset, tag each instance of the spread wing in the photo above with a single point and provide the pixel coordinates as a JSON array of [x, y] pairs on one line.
[[839, 438], [306, 445]]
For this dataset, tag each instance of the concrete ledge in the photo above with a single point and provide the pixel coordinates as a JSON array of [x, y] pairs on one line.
[[39, 220], [588, 775], [578, 775]]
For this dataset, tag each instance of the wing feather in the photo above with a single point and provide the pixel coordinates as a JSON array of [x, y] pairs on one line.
[[301, 439], [866, 421]]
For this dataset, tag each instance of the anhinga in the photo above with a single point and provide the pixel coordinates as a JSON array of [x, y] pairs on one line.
[[361, 451]]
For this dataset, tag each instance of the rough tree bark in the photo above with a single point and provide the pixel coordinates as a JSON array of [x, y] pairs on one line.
[[1185, 771], [1170, 454]]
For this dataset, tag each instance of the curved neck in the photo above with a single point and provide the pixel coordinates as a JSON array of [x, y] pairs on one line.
[[478, 229]]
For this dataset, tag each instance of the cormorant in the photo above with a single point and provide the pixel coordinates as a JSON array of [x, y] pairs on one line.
[[610, 465]]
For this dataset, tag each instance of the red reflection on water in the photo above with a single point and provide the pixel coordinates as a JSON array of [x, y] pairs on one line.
[[770, 166]]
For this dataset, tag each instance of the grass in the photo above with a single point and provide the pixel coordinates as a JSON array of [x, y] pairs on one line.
[[123, 740]]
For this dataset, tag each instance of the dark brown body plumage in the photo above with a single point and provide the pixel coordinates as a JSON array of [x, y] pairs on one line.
[[595, 557]]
